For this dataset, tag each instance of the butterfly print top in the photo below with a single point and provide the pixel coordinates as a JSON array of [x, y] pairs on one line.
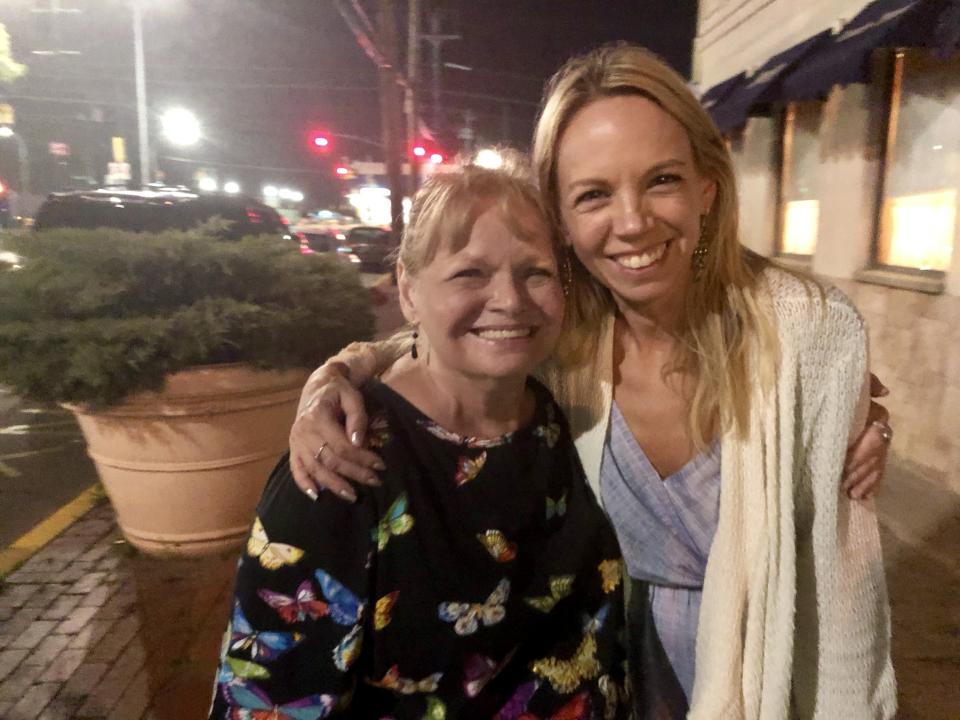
[[480, 580]]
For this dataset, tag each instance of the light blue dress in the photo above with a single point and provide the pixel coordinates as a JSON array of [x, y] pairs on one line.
[[665, 527]]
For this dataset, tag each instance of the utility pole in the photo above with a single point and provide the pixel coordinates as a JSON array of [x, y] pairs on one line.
[[391, 111], [436, 40], [410, 99], [143, 132]]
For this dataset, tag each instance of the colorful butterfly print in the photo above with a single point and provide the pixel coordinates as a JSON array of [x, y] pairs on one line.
[[384, 606], [465, 615], [395, 522], [392, 681], [468, 441], [265, 645], [498, 546], [595, 624], [272, 555], [610, 573], [560, 587], [248, 702], [468, 468], [516, 706], [479, 670], [613, 696], [348, 650], [378, 431], [243, 669], [558, 507], [297, 608], [436, 709], [577, 708], [566, 675], [344, 608]]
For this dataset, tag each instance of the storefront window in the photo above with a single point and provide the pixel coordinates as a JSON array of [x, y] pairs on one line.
[[919, 212], [799, 193]]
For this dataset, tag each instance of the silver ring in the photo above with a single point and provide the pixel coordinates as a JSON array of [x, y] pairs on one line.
[[886, 432], [319, 452]]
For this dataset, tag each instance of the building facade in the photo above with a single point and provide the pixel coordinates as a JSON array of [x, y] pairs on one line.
[[857, 181]]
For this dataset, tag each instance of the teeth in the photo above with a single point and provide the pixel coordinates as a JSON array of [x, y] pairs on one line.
[[635, 262], [504, 334]]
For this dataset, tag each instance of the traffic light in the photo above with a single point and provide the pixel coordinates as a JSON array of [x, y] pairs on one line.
[[344, 171], [436, 158], [319, 141], [418, 151]]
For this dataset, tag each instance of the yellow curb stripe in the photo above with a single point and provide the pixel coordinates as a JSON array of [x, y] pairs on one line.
[[31, 541]]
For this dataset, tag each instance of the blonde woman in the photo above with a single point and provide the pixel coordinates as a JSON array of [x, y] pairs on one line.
[[481, 577], [712, 398]]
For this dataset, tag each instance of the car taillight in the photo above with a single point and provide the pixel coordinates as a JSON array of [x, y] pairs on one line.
[[253, 215]]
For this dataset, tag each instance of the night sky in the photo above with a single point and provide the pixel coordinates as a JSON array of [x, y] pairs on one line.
[[261, 73]]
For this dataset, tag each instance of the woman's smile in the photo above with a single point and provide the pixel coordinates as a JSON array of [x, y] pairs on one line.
[[637, 261]]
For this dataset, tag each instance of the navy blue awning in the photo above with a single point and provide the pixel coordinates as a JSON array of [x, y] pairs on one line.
[[764, 85], [845, 59], [720, 91]]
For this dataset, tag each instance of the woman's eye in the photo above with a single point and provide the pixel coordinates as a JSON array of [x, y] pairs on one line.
[[539, 273], [588, 196], [467, 273], [666, 179]]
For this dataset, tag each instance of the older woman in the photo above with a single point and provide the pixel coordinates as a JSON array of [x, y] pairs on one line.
[[480, 578], [712, 398]]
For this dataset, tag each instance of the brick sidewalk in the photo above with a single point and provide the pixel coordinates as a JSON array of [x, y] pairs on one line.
[[90, 629]]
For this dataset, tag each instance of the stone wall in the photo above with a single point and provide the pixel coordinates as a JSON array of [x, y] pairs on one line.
[[915, 350]]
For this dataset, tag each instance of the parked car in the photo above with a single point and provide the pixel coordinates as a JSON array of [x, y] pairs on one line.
[[324, 236], [155, 210], [372, 245]]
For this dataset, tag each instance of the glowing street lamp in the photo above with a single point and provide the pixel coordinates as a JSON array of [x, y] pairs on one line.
[[270, 191], [180, 127], [488, 158], [231, 186], [207, 184]]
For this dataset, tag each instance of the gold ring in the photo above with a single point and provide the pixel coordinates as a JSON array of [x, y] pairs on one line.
[[320, 452]]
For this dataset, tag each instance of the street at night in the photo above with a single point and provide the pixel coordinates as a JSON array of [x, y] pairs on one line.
[[637, 327]]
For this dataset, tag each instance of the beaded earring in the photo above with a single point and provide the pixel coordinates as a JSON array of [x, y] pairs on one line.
[[698, 261]]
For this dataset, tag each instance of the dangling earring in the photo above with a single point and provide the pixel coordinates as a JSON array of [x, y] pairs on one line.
[[698, 262], [566, 270], [413, 348]]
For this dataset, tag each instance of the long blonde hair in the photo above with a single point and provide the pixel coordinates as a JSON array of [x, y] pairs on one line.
[[722, 315]]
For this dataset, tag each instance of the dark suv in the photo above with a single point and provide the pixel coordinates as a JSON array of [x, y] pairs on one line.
[[158, 210]]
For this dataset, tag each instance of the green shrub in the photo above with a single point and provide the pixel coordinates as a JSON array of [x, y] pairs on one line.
[[95, 315]]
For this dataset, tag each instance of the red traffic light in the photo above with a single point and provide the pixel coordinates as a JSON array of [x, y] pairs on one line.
[[419, 151], [436, 158], [319, 141]]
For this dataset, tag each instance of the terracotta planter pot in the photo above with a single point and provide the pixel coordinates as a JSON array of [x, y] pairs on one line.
[[184, 468]]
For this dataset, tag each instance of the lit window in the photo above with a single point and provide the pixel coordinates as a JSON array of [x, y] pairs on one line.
[[922, 171], [918, 230], [800, 178]]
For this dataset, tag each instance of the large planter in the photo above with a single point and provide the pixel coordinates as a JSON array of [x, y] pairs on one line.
[[184, 467]]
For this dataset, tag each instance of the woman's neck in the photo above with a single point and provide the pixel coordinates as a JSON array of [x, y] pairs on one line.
[[471, 406], [652, 324]]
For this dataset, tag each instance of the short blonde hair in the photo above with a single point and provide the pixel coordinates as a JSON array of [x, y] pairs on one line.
[[721, 312], [445, 209]]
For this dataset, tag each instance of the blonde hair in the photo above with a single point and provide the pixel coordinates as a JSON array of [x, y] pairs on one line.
[[445, 209], [722, 314]]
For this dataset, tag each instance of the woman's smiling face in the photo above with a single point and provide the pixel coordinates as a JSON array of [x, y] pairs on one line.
[[493, 308], [631, 198]]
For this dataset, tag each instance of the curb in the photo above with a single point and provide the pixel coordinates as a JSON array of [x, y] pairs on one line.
[[33, 540]]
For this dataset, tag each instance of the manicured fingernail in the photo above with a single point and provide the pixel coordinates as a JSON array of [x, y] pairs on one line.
[[347, 495], [373, 480], [378, 465], [355, 437], [312, 494]]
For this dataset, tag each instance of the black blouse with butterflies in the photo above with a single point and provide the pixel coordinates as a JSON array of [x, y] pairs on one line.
[[481, 580]]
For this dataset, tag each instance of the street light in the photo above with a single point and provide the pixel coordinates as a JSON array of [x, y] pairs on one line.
[[207, 184], [488, 158], [180, 127], [231, 186]]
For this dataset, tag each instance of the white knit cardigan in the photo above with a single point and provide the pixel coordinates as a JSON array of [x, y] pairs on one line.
[[794, 621]]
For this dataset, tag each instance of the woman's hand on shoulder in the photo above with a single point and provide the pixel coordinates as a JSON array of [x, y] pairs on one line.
[[868, 455], [326, 439]]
